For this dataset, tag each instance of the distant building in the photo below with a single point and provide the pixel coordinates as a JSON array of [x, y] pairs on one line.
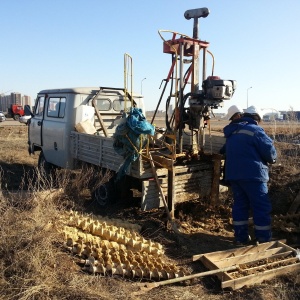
[[16, 98], [26, 100], [13, 98], [291, 115], [271, 116], [4, 102], [218, 115]]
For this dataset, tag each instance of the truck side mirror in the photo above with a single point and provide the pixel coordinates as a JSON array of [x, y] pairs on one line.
[[27, 110]]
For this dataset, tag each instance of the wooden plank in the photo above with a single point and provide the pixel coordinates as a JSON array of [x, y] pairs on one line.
[[260, 266], [192, 187], [151, 193], [249, 249], [162, 161], [183, 182], [151, 189], [169, 212], [211, 266], [143, 170], [187, 197], [282, 255], [193, 175], [138, 171], [207, 262], [153, 196], [237, 283], [187, 189], [172, 197], [295, 205], [267, 265], [279, 218], [196, 177], [287, 247], [246, 258], [217, 255], [191, 181], [194, 168], [193, 190]]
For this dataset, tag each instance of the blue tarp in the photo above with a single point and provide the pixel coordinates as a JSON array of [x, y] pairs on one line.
[[131, 136]]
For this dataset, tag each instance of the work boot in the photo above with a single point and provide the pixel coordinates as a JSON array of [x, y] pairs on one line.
[[243, 243]]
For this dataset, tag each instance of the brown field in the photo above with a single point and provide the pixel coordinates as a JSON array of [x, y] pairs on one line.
[[35, 264]]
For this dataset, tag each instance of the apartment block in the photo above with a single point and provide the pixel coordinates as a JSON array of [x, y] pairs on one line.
[[13, 98]]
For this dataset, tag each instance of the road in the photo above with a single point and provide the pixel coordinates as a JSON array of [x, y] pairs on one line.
[[11, 122]]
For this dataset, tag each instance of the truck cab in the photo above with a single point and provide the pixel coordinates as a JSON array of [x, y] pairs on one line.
[[15, 111]]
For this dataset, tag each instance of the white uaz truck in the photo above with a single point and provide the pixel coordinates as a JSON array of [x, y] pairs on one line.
[[72, 126]]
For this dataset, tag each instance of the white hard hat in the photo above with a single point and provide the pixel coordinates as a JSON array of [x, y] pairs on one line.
[[232, 110], [252, 110]]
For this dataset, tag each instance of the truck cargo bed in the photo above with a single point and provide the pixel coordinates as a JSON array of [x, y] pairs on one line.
[[191, 180], [96, 150]]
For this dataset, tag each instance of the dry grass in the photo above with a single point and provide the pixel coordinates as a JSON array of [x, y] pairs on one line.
[[33, 262]]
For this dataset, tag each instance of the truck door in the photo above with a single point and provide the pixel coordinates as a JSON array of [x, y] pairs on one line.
[[36, 124], [55, 133]]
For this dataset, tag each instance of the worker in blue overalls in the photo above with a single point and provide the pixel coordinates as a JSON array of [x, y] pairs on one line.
[[249, 150], [234, 112]]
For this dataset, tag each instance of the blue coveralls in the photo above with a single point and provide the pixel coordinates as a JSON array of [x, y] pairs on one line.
[[248, 151]]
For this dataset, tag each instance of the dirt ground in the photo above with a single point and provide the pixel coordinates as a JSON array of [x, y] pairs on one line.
[[204, 228]]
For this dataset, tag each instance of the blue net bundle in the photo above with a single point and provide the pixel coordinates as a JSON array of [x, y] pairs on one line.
[[131, 136]]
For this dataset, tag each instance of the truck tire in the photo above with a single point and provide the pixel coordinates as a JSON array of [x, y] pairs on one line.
[[16, 117], [124, 190], [104, 194], [46, 168]]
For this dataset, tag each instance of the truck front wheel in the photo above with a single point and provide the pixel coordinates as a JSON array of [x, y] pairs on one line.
[[16, 117], [46, 168]]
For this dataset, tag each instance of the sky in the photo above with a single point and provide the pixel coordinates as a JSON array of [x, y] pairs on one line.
[[65, 43]]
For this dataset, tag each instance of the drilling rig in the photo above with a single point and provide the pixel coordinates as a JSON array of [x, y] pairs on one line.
[[192, 99]]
